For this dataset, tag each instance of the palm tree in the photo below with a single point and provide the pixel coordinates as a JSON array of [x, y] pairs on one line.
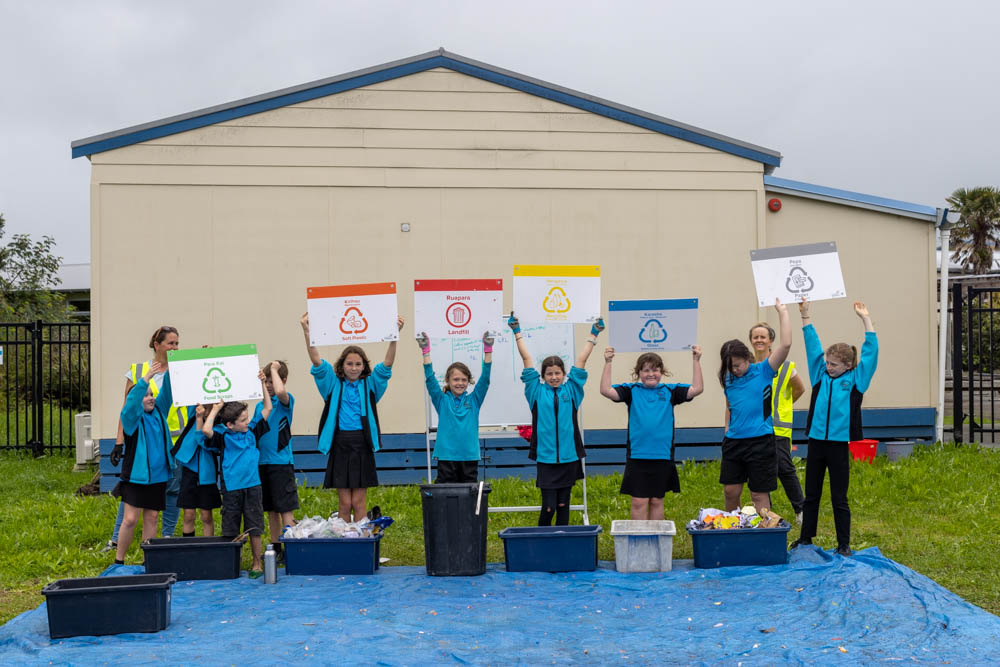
[[978, 231]]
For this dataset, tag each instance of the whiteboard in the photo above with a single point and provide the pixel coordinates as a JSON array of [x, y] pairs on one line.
[[504, 404]]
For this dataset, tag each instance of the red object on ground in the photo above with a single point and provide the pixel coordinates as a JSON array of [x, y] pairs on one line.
[[525, 431], [863, 450]]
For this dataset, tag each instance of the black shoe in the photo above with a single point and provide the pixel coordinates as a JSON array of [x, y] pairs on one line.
[[844, 551], [802, 541]]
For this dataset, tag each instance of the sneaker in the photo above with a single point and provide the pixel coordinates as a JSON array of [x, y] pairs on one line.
[[110, 546], [256, 574], [798, 518], [800, 542], [844, 550]]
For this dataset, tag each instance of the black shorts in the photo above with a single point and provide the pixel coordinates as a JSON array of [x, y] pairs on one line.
[[195, 496], [144, 496], [351, 464], [457, 472], [278, 488], [650, 478], [558, 475], [750, 459], [243, 504]]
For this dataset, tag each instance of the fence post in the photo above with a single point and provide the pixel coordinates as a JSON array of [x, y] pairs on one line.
[[36, 445], [958, 410]]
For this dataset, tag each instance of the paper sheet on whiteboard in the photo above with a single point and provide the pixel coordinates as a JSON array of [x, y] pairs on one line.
[[793, 272]]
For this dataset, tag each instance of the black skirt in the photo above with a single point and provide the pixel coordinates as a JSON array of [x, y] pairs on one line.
[[558, 475], [351, 464], [650, 478], [143, 496], [197, 496]]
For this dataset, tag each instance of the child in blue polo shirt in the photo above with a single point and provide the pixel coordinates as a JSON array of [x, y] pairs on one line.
[[650, 470], [556, 439], [277, 467], [236, 440], [457, 445], [199, 477]]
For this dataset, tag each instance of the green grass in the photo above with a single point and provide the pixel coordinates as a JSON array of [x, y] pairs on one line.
[[934, 512]]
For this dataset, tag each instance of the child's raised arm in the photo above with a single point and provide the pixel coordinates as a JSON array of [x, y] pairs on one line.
[[265, 411], [522, 347], [278, 384], [780, 351], [488, 341], [862, 311], [697, 381], [313, 352], [868, 361], [588, 345], [199, 414], [607, 391], [208, 427], [390, 354]]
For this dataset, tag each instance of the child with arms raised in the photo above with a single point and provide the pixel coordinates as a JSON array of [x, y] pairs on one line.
[[457, 445], [199, 478], [650, 470]]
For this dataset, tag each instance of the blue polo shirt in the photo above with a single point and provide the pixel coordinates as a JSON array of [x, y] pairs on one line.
[[275, 445], [349, 417], [651, 418], [240, 456], [749, 402]]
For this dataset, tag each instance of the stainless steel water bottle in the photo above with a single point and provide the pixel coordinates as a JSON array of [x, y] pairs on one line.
[[270, 565]]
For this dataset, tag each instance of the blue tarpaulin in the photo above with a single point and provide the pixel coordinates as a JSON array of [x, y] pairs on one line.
[[818, 607]]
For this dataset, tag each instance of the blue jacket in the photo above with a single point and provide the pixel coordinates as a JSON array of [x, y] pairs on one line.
[[555, 434], [191, 452], [835, 406], [330, 388], [458, 417], [144, 431], [274, 445]]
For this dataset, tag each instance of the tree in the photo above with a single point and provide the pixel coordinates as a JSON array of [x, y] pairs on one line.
[[28, 272], [978, 231]]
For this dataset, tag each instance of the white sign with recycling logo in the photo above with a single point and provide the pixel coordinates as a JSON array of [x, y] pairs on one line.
[[793, 272], [547, 294], [458, 308], [646, 325], [213, 374]]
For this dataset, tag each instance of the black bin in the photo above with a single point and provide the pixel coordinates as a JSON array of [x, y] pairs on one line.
[[194, 557], [108, 605], [454, 536]]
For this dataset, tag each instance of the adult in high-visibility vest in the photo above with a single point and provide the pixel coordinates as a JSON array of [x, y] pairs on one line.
[[164, 339], [786, 388]]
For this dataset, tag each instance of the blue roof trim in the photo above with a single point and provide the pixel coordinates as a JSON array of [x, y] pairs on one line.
[[847, 195], [440, 58]]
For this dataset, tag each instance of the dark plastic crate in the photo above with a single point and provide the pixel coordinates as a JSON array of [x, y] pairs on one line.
[[454, 536], [550, 549], [194, 557], [335, 555], [108, 605], [740, 546]]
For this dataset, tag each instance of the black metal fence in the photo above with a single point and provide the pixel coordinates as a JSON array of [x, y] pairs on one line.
[[975, 357], [44, 382]]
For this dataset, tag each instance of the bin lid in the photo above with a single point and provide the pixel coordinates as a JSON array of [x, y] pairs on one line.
[[642, 527], [549, 531], [172, 543], [105, 584]]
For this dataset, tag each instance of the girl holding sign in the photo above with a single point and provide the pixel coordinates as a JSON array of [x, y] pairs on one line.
[[457, 445], [839, 380], [556, 439], [748, 453], [649, 466], [348, 427]]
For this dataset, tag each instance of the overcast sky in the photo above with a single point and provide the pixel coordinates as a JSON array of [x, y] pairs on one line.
[[896, 99]]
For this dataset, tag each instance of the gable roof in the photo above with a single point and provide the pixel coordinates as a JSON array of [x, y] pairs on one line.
[[440, 58], [848, 198]]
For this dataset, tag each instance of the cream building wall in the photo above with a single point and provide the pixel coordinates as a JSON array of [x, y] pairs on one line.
[[219, 230]]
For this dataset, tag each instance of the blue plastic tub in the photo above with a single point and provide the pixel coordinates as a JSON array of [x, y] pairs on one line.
[[194, 557], [740, 546], [550, 549], [108, 605], [335, 555]]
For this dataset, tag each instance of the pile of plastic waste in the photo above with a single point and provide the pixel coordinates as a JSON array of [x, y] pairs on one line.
[[712, 519], [318, 527]]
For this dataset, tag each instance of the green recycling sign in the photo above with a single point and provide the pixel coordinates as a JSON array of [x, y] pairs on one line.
[[211, 374]]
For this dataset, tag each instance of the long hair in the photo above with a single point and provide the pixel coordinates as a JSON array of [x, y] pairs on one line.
[[649, 359], [461, 368], [844, 353], [731, 350], [338, 366]]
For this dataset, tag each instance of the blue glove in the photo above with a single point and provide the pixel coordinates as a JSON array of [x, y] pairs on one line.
[[597, 327], [514, 325]]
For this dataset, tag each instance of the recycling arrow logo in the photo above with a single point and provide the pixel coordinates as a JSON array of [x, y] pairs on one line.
[[652, 332], [798, 281], [556, 301], [216, 382], [353, 321]]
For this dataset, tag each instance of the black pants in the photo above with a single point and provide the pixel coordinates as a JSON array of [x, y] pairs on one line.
[[787, 474], [833, 456], [555, 501]]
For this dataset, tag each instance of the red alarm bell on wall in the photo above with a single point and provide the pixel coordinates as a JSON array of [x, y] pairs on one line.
[[774, 204]]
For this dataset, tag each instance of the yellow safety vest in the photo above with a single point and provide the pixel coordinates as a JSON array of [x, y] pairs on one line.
[[781, 400], [177, 417]]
